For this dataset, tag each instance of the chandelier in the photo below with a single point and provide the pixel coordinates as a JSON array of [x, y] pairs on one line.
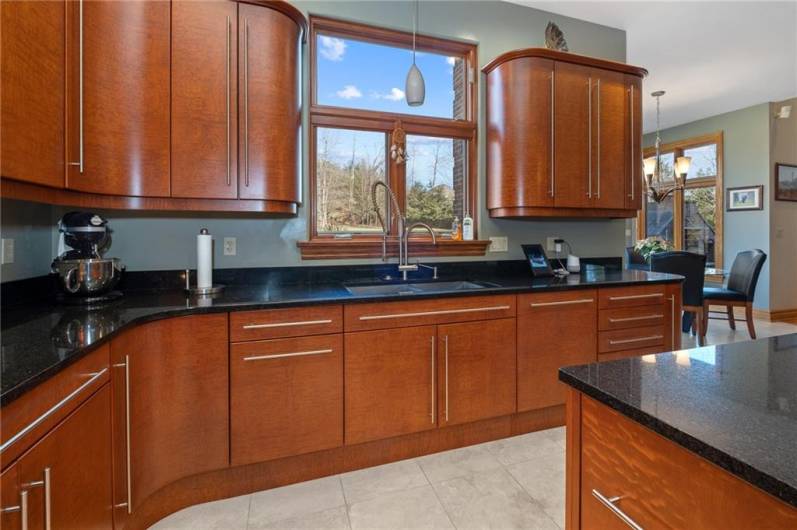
[[657, 190]]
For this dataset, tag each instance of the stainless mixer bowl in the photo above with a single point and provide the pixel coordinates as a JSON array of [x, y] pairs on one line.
[[88, 277]]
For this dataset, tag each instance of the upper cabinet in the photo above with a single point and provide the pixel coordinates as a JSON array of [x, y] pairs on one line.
[[563, 136], [178, 105]]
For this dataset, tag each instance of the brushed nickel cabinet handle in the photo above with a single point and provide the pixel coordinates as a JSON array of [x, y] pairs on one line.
[[598, 88], [633, 158], [637, 339], [246, 102], [553, 99], [45, 483], [229, 60], [283, 355], [52, 410], [609, 502], [434, 386], [634, 319], [636, 296], [673, 323], [126, 365], [79, 163], [287, 324], [562, 302], [589, 137], [22, 508], [446, 379], [433, 313]]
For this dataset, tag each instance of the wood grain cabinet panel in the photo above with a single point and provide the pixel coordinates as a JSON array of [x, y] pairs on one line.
[[609, 138], [520, 139], [632, 339], [635, 183], [178, 377], [31, 91], [73, 463], [476, 374], [124, 89], [631, 317], [390, 383], [204, 113], [632, 296], [11, 499], [288, 322], [553, 330], [286, 397], [269, 54]]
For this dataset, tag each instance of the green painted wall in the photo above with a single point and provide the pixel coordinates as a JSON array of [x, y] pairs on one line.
[[746, 163], [166, 240]]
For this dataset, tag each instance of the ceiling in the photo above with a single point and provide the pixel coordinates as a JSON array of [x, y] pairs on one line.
[[710, 57]]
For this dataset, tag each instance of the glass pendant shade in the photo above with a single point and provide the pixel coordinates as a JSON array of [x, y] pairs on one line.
[[682, 165], [650, 166], [415, 88]]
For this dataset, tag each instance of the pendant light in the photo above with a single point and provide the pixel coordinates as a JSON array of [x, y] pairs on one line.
[[653, 168], [415, 88]]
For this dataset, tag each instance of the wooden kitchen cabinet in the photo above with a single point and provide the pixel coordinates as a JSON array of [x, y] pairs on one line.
[[172, 406], [118, 110], [390, 383], [553, 330], [609, 139], [572, 136], [71, 468], [476, 370], [204, 113], [635, 184], [13, 503], [33, 73], [269, 99], [286, 397]]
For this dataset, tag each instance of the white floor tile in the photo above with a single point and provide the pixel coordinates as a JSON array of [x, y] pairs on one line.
[[411, 509], [227, 514], [458, 463], [525, 447], [375, 481], [294, 501], [544, 479], [332, 519]]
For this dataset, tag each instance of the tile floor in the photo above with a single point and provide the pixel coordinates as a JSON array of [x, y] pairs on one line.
[[513, 483]]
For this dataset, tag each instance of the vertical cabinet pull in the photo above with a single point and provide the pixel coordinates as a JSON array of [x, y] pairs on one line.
[[633, 158], [47, 485], [598, 88], [553, 100], [246, 103], [445, 340], [129, 503], [673, 323], [229, 33], [589, 137], [22, 509], [434, 387], [79, 163]]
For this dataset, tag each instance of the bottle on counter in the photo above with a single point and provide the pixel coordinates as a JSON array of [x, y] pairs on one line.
[[467, 228], [456, 229]]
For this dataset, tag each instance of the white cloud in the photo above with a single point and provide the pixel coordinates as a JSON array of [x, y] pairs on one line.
[[332, 48], [451, 60], [349, 92], [395, 94]]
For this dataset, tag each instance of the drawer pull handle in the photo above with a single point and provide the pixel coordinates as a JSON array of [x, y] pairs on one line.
[[46, 483], [638, 339], [433, 313], [610, 503], [563, 302], [38, 421], [287, 324], [22, 509], [636, 296], [633, 319], [283, 355]]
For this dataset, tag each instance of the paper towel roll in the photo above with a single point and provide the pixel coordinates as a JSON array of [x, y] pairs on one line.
[[204, 259]]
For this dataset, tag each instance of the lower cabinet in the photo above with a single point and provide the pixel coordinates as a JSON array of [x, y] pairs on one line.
[[286, 397], [171, 408]]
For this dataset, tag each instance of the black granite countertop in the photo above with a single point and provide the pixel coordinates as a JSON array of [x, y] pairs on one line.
[[40, 338], [733, 404]]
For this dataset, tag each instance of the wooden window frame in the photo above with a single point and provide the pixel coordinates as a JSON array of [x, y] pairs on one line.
[[327, 246], [678, 147]]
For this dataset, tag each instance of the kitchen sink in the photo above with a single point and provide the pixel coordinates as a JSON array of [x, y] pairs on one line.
[[413, 288]]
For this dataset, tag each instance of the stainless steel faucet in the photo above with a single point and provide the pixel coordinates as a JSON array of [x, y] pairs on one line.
[[403, 231]]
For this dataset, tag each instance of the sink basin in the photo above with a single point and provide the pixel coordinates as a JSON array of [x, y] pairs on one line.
[[412, 288]]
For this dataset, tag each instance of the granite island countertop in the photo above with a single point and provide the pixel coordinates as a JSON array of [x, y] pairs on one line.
[[733, 404], [41, 338]]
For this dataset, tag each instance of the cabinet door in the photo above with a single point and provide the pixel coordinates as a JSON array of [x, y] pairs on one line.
[[476, 370], [390, 387], [32, 92], [635, 182], [520, 134], [286, 397], [122, 100], [71, 467], [269, 100], [178, 399], [13, 501], [554, 330], [609, 139], [572, 137], [204, 99]]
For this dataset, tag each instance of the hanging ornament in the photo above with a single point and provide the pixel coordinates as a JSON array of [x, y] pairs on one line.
[[398, 145]]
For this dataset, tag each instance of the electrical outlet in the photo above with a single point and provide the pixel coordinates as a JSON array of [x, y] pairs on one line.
[[550, 244], [8, 251], [230, 246], [498, 244]]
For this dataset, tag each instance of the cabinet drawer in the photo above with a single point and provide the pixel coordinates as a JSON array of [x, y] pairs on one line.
[[360, 317], [286, 397], [660, 484], [631, 339], [290, 322], [562, 302], [632, 296], [637, 352], [631, 317]]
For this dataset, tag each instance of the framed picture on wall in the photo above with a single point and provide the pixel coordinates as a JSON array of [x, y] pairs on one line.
[[745, 198], [785, 182]]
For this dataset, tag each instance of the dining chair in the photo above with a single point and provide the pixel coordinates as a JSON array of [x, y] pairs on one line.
[[692, 267], [739, 290]]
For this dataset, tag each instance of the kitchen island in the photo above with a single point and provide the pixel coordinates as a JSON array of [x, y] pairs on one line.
[[701, 438]]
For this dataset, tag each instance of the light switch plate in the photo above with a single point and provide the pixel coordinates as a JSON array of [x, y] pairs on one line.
[[230, 246], [498, 244], [549, 243], [8, 251]]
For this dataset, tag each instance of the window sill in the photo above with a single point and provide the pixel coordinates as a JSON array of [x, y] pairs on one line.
[[328, 248]]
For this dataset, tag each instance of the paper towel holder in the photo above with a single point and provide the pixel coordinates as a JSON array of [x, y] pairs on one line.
[[200, 291]]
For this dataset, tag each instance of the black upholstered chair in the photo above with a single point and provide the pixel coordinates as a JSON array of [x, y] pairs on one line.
[[739, 290], [635, 260], [692, 267]]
